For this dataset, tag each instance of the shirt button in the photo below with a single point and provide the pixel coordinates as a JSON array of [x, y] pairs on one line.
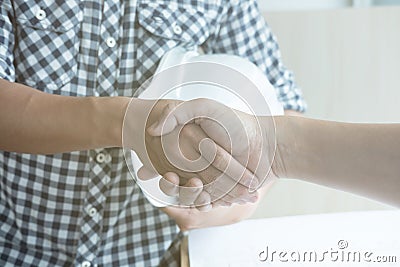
[[158, 20], [86, 264], [111, 42], [100, 158], [41, 14], [92, 212], [177, 29]]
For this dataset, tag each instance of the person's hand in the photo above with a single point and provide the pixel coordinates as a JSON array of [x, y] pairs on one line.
[[191, 194], [219, 213], [189, 218], [249, 139], [183, 158]]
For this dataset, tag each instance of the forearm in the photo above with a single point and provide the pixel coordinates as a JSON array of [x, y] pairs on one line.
[[39, 123], [358, 158]]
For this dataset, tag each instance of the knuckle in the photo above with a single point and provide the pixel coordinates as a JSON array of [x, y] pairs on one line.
[[170, 106], [169, 109], [195, 183], [204, 198], [188, 130]]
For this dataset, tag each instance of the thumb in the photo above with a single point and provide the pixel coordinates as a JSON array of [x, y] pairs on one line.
[[147, 171], [166, 123], [175, 114]]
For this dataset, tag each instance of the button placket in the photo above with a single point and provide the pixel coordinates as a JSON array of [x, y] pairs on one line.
[[110, 41], [109, 51], [95, 200], [92, 211]]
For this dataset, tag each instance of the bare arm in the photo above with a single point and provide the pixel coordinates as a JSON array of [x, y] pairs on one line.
[[39, 123], [358, 158]]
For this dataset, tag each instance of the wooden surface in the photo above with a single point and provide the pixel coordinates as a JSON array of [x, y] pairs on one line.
[[185, 252]]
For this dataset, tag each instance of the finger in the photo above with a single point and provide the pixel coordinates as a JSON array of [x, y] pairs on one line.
[[220, 187], [169, 119], [226, 188], [181, 148], [190, 191], [221, 203], [226, 163], [145, 173], [184, 112], [203, 202], [198, 157], [169, 184], [223, 186], [209, 175], [237, 193], [208, 152], [241, 193], [236, 196], [212, 177], [219, 195]]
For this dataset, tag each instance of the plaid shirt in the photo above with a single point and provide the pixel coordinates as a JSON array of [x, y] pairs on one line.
[[83, 208]]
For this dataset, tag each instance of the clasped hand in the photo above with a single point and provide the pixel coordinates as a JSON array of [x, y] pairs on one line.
[[209, 154]]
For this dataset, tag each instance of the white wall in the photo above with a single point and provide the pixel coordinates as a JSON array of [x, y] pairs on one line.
[[280, 5], [347, 61]]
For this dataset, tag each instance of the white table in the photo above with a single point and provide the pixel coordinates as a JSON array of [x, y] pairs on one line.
[[330, 238]]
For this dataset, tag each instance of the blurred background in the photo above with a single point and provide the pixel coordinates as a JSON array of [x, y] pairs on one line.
[[281, 5], [345, 55]]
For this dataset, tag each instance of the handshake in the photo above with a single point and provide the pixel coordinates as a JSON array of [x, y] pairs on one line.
[[208, 154], [212, 155]]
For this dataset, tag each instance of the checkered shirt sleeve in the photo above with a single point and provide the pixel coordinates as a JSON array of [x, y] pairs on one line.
[[243, 31]]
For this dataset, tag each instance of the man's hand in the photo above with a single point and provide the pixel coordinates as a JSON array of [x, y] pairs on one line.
[[189, 218], [219, 213], [249, 139], [181, 153]]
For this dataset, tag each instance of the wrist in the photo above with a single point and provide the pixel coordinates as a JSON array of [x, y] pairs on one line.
[[107, 118], [139, 115], [290, 133]]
